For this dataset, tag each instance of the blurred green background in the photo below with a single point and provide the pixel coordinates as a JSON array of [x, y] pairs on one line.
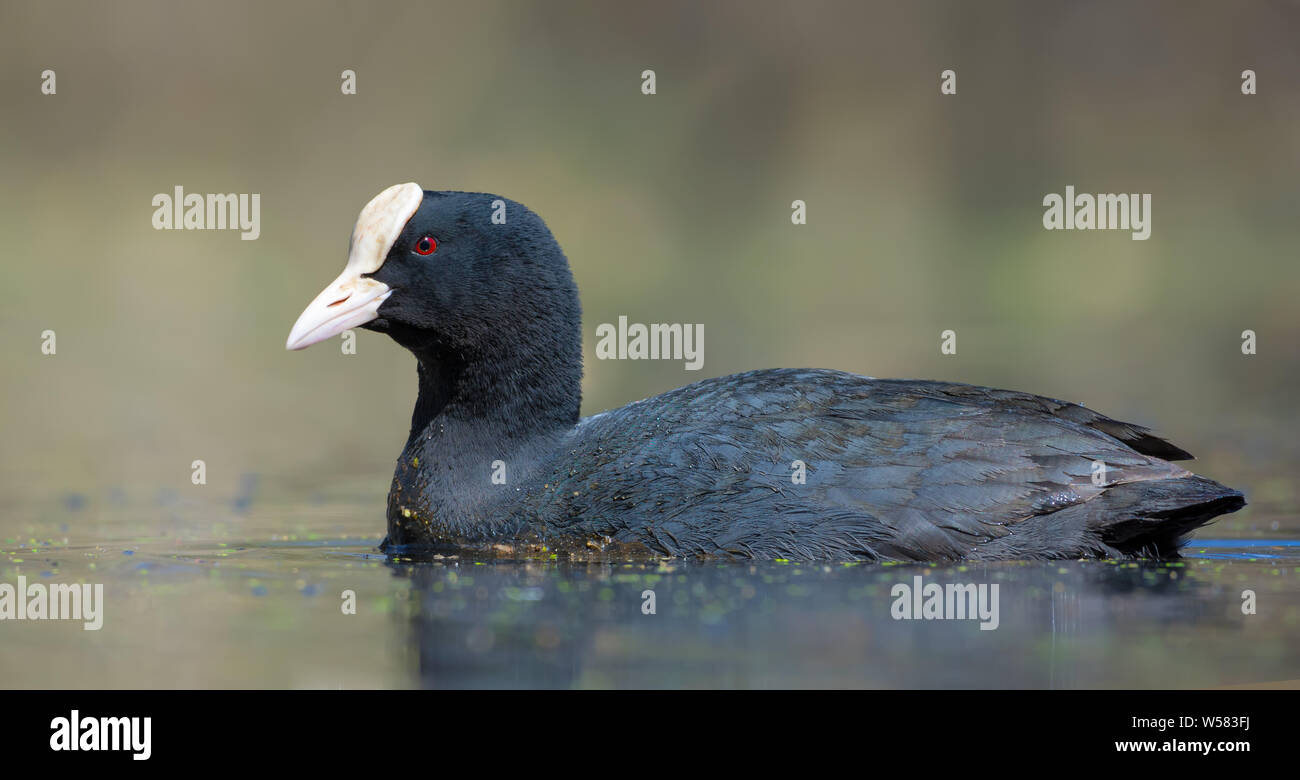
[[924, 212]]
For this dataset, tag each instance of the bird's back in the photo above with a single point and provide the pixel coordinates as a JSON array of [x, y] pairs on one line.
[[819, 464]]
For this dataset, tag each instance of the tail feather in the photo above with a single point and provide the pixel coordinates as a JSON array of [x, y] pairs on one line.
[[1154, 518]]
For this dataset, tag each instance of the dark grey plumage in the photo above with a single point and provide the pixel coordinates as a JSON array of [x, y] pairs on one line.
[[895, 470]]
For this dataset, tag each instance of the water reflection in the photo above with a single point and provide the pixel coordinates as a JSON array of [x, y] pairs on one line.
[[197, 599], [1060, 624]]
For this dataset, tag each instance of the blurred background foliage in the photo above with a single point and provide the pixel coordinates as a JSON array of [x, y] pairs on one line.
[[924, 211]]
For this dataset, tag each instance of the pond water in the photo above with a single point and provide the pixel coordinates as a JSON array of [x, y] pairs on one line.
[[249, 591]]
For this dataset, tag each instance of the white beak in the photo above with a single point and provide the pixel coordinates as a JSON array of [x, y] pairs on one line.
[[348, 302], [351, 299]]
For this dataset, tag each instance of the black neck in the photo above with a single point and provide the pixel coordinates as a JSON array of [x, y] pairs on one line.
[[504, 396], [470, 414]]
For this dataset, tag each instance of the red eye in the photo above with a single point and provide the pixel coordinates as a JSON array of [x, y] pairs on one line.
[[426, 246]]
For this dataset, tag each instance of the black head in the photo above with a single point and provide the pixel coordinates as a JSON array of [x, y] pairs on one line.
[[465, 280], [473, 271]]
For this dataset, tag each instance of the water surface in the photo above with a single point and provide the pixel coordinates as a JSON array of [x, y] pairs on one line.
[[245, 591]]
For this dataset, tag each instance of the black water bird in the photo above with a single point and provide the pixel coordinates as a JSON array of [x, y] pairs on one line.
[[477, 288]]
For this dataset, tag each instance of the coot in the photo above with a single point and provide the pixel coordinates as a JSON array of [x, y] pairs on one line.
[[477, 288]]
